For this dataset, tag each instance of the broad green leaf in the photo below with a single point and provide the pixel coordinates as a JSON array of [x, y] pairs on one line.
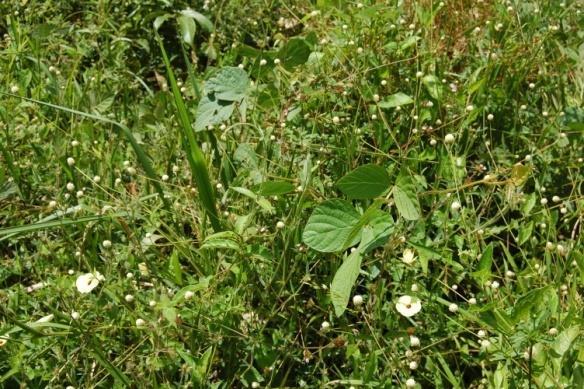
[[381, 225], [223, 240], [211, 112], [525, 232], [365, 182], [565, 339], [275, 188], [160, 20], [532, 300], [329, 226], [406, 200], [433, 86], [294, 53], [188, 28], [229, 83], [483, 272], [344, 280], [199, 17], [396, 100]]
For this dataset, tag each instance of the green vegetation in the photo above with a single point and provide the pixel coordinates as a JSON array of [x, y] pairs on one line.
[[291, 194]]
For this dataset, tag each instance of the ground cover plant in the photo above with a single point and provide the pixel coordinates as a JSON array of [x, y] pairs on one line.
[[296, 193]]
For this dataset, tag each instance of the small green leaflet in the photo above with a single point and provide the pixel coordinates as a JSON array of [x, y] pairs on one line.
[[275, 188], [483, 272], [365, 182], [343, 282]]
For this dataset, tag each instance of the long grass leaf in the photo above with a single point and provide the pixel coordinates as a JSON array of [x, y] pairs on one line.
[[194, 153]]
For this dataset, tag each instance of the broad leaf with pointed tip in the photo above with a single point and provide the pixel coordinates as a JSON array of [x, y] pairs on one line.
[[329, 226]]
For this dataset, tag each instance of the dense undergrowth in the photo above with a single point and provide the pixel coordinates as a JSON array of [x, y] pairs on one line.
[[291, 194]]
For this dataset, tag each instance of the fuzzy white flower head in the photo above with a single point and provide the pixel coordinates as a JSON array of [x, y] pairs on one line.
[[455, 206], [357, 300], [140, 322], [87, 282], [449, 139], [408, 306], [414, 341], [189, 294], [408, 257], [410, 383], [453, 308]]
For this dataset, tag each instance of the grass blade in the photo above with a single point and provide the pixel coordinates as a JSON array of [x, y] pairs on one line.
[[195, 156]]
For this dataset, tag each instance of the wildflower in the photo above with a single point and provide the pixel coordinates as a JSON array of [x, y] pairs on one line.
[[495, 285], [419, 74], [482, 333], [189, 294], [129, 298], [433, 142], [414, 288], [96, 179], [413, 365], [490, 117], [449, 139], [79, 193], [453, 308], [107, 244], [485, 343], [556, 199], [408, 257], [70, 187], [336, 120], [70, 161], [277, 61], [455, 206], [408, 306], [152, 303], [543, 201], [14, 89], [75, 315], [280, 225], [164, 177], [472, 301], [140, 322], [87, 282], [553, 331], [263, 62], [410, 383], [414, 341], [255, 385], [325, 325], [357, 300]]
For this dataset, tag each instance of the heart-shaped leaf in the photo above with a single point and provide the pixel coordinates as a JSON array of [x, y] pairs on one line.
[[329, 226], [365, 182]]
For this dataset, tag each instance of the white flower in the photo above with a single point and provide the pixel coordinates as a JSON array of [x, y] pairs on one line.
[[164, 177], [14, 89], [357, 300], [255, 384], [453, 308], [75, 315], [336, 120], [87, 282], [70, 161], [129, 298], [490, 116], [410, 383], [449, 139], [96, 179], [472, 301], [553, 331], [408, 257], [414, 341], [414, 288], [413, 365], [140, 322], [70, 187], [325, 325], [280, 225], [408, 306], [556, 199], [263, 62], [74, 143], [482, 333], [419, 74], [455, 206], [107, 244], [433, 142], [152, 303], [189, 294]]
